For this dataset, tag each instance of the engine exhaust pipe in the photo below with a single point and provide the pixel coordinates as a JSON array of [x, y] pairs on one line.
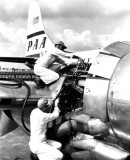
[[84, 124], [98, 150]]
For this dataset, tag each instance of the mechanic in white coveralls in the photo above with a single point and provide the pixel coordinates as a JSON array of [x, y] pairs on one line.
[[43, 65], [39, 144]]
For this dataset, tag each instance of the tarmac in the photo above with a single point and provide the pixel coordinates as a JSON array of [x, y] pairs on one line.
[[14, 146]]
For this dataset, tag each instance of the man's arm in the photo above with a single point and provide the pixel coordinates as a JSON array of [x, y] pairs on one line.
[[61, 60], [55, 113], [63, 54]]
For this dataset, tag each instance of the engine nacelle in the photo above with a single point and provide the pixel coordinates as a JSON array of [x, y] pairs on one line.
[[109, 99]]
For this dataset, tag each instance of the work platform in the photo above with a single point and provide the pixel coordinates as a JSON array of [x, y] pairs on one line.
[[14, 146]]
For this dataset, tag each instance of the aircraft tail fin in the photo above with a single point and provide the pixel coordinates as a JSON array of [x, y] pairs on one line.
[[37, 39]]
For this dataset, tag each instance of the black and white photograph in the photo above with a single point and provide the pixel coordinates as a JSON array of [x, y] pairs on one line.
[[64, 80]]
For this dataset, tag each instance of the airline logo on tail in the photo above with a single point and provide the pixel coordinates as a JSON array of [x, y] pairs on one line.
[[37, 40]]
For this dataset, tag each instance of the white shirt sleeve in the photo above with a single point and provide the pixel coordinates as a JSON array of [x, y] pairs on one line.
[[51, 116], [62, 54]]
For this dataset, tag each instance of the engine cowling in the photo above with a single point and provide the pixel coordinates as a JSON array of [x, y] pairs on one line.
[[109, 100]]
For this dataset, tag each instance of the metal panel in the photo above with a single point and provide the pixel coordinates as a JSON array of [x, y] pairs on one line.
[[104, 65], [118, 48], [95, 96], [118, 102]]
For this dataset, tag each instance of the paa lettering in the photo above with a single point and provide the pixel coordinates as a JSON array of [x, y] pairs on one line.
[[36, 44]]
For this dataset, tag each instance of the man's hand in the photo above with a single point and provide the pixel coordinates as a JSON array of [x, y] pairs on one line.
[[57, 102], [57, 105]]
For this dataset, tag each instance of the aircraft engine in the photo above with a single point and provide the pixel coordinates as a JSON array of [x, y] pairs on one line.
[[102, 130], [109, 100]]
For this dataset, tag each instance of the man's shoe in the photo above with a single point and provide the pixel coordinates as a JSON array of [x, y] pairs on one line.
[[33, 156], [39, 82]]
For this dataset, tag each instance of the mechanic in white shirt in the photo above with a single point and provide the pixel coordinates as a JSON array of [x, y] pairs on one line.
[[39, 144], [44, 63]]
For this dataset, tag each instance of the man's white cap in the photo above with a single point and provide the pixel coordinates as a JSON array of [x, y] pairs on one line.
[[42, 102]]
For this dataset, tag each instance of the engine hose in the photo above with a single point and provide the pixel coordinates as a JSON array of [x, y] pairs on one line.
[[24, 104], [78, 102], [52, 105], [18, 83]]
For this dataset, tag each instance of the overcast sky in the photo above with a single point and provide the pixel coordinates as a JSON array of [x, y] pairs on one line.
[[81, 24]]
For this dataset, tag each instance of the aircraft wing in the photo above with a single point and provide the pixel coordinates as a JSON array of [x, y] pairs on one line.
[[18, 59]]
